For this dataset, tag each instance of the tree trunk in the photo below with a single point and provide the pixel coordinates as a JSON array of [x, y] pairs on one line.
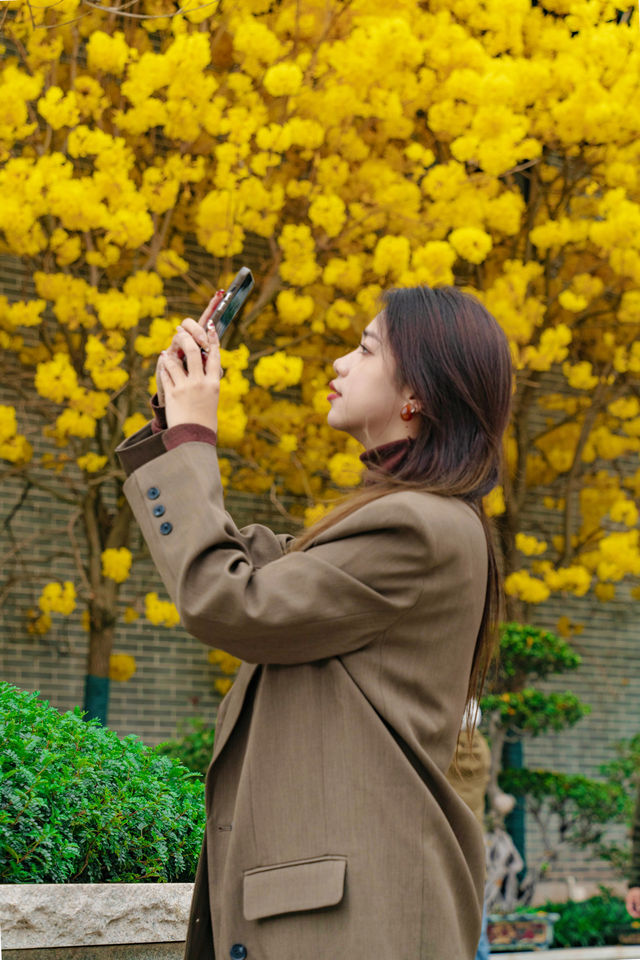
[[96, 696]]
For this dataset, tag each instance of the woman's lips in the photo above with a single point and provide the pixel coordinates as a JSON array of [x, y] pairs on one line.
[[334, 393]]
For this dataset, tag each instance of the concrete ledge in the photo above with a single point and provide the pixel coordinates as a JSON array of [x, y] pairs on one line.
[[131, 951], [47, 915]]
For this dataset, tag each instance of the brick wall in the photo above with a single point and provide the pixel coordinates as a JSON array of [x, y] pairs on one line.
[[174, 680]]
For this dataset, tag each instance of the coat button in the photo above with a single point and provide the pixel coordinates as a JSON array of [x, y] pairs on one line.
[[158, 510], [238, 951], [153, 493], [166, 528]]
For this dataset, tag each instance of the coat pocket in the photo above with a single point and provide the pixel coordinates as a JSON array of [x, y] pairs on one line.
[[294, 885]]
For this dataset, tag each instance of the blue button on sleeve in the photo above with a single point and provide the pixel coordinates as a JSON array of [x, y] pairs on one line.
[[158, 510], [153, 493], [166, 528]]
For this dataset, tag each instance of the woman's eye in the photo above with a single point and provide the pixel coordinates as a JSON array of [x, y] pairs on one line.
[[363, 348]]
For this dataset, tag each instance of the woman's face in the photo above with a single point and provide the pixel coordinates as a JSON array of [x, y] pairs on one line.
[[365, 398]]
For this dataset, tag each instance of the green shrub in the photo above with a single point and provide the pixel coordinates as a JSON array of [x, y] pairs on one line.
[[193, 746], [79, 804], [588, 923]]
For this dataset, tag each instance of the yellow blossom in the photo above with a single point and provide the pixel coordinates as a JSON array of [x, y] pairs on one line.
[[232, 424], [470, 243], [605, 591], [160, 612], [391, 256], [315, 513], [56, 380], [294, 310], [288, 442], [579, 375], [494, 503], [283, 79], [329, 213], [133, 423], [527, 588], [122, 667], [530, 546], [91, 462], [108, 54], [345, 469], [116, 563], [278, 371], [225, 662], [58, 598]]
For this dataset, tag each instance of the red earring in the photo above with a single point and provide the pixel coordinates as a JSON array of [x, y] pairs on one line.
[[407, 411]]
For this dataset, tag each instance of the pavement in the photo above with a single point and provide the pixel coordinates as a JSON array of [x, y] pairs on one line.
[[573, 953]]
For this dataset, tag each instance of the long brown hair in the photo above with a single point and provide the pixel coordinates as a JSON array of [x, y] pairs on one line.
[[455, 361]]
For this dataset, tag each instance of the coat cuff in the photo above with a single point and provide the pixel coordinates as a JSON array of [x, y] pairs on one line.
[[159, 421], [187, 432], [148, 443]]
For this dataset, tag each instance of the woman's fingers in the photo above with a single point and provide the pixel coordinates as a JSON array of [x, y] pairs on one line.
[[213, 366], [196, 331], [187, 348], [210, 307]]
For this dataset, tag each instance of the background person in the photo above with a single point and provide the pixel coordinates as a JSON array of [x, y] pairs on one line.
[[469, 776], [331, 827], [633, 894]]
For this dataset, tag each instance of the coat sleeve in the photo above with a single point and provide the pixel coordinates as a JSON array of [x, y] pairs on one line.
[[146, 445], [347, 588]]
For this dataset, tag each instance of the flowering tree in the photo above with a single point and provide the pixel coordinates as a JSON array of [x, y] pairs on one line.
[[366, 143]]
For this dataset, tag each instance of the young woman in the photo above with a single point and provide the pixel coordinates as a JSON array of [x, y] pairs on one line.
[[332, 830]]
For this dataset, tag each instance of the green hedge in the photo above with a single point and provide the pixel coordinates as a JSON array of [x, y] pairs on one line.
[[193, 746], [595, 922], [78, 804]]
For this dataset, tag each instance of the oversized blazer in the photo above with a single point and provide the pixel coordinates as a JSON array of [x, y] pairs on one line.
[[331, 828]]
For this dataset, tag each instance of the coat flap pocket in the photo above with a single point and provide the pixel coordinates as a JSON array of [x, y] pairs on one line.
[[295, 885]]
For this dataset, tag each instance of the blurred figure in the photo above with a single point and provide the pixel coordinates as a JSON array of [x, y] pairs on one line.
[[633, 894], [469, 776]]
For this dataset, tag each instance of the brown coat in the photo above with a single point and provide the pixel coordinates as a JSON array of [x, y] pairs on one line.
[[331, 828]]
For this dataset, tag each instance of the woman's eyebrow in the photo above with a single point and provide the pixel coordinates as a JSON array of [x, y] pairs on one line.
[[370, 333]]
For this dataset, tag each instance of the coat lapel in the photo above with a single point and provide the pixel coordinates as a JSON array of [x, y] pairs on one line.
[[232, 706]]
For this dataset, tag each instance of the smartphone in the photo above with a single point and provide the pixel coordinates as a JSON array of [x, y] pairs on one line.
[[230, 305]]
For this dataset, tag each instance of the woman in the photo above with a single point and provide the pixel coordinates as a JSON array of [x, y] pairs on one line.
[[331, 828]]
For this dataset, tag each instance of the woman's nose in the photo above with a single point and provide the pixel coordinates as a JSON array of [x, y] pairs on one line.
[[340, 366]]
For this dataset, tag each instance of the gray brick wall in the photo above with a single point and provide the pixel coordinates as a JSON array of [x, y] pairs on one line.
[[174, 680]]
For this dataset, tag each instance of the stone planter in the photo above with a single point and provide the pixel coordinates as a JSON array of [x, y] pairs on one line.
[[94, 921]]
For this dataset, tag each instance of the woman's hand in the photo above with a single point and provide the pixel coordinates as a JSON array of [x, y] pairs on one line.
[[206, 313], [191, 395]]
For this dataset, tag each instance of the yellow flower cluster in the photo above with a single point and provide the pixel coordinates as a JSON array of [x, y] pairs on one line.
[[122, 667], [133, 423], [552, 348], [91, 462], [116, 563], [14, 447], [278, 371], [58, 598], [369, 144], [160, 612], [225, 662], [345, 469], [620, 554], [530, 546], [293, 310], [529, 589]]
